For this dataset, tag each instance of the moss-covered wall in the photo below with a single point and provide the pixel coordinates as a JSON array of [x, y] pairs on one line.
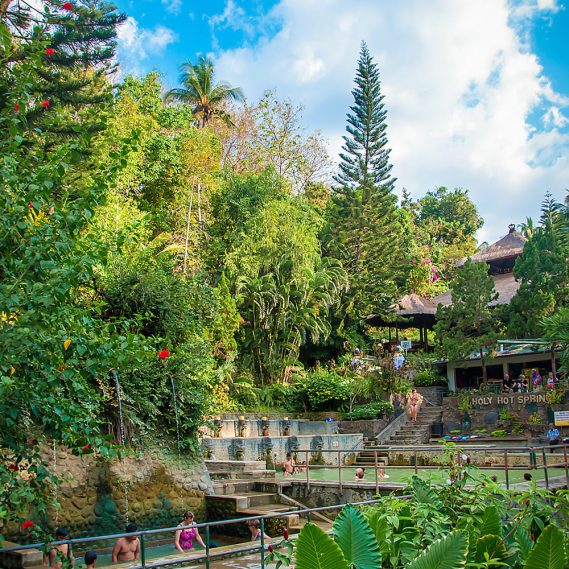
[[157, 488]]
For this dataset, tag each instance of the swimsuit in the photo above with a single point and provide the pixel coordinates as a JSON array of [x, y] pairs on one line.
[[187, 538]]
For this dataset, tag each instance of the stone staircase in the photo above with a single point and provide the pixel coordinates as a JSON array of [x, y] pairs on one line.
[[250, 498], [420, 432], [366, 457]]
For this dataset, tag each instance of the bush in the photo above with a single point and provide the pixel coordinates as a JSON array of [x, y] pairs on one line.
[[374, 410], [323, 390], [499, 433], [429, 378]]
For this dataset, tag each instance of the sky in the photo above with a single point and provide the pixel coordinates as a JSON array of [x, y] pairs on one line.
[[477, 91]]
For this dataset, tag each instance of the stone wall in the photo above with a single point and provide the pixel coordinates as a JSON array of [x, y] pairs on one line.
[[95, 493], [369, 428], [323, 494]]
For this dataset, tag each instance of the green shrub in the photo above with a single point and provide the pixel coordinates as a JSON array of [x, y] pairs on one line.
[[323, 390], [499, 433], [429, 378], [374, 410]]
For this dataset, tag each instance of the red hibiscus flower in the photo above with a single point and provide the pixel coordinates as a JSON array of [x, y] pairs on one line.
[[62, 367], [28, 524], [13, 467], [270, 548], [45, 104], [163, 354], [85, 448], [49, 51], [67, 6], [17, 107], [31, 205]]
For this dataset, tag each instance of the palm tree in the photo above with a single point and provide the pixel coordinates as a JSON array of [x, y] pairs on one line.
[[199, 91]]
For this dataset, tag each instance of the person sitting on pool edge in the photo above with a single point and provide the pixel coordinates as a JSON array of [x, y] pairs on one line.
[[360, 473], [127, 548], [184, 540], [382, 473], [59, 552]]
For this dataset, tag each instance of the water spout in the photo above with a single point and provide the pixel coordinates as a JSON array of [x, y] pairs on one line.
[[175, 400], [122, 438]]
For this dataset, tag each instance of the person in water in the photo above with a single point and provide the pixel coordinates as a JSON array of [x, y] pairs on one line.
[[90, 559], [255, 529], [127, 548], [59, 552], [187, 534], [360, 473]]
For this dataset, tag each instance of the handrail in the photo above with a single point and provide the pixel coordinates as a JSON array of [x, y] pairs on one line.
[[140, 533]]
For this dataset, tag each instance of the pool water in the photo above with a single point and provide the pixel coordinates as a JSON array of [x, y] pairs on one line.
[[401, 475], [152, 552]]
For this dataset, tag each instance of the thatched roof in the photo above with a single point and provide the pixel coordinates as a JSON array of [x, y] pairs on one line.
[[509, 247], [506, 286], [412, 311]]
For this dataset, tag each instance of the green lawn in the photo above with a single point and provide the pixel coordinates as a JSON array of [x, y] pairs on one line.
[[402, 474]]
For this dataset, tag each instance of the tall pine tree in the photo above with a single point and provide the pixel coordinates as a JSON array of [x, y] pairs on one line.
[[71, 46], [364, 222]]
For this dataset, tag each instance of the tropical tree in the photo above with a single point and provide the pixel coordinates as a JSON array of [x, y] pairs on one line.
[[205, 97], [468, 325], [543, 270]]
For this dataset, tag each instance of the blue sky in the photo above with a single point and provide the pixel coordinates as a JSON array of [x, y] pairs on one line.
[[477, 92]]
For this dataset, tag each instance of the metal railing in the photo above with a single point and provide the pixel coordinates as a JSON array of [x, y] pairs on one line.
[[532, 452], [208, 554]]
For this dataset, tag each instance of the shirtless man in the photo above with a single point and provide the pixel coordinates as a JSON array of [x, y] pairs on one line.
[[127, 548], [289, 465], [63, 551]]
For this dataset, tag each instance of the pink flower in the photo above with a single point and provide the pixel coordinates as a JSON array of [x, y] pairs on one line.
[[67, 6], [427, 260], [49, 51]]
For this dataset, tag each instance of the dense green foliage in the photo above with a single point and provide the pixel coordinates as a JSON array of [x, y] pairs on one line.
[[543, 271], [468, 325], [467, 521]]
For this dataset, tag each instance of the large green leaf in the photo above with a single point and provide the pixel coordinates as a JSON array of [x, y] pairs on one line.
[[446, 553], [424, 493], [549, 551], [524, 544], [491, 547], [491, 524], [356, 539], [317, 550]]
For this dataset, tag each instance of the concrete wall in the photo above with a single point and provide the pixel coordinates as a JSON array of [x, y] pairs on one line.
[[255, 448], [369, 428]]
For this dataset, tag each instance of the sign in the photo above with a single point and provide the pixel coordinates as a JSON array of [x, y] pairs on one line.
[[406, 344], [508, 399], [561, 418]]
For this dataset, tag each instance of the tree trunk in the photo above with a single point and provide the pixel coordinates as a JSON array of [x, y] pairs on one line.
[[483, 361], [553, 363], [188, 230]]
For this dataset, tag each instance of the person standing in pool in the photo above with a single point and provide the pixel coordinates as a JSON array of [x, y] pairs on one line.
[[187, 534], [90, 559], [127, 548], [413, 403], [59, 552]]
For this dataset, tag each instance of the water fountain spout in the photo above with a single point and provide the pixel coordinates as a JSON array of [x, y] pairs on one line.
[[242, 426], [122, 436], [175, 401]]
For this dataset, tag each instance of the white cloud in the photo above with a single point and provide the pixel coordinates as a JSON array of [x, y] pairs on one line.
[[172, 6], [459, 85], [135, 44]]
